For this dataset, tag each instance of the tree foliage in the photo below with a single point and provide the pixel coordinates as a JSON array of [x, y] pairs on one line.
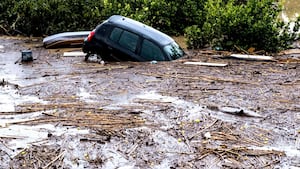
[[254, 23], [223, 23]]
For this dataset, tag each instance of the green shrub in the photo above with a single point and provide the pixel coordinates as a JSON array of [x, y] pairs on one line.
[[222, 23], [160, 14], [37, 17], [7, 16], [254, 23]]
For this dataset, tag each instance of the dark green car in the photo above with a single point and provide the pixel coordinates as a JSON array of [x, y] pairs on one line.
[[123, 39]]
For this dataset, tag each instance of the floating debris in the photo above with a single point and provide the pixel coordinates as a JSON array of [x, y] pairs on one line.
[[2, 49], [239, 111]]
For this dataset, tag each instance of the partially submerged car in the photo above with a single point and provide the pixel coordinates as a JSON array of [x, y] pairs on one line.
[[122, 39]]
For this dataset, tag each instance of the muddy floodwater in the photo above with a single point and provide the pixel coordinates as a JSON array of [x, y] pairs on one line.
[[62, 112]]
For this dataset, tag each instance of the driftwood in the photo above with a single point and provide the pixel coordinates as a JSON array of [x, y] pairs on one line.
[[86, 119], [201, 131], [11, 137], [252, 57], [18, 60], [200, 77], [56, 158], [74, 54], [239, 151], [290, 52], [289, 60], [239, 112], [206, 64], [5, 30], [241, 49]]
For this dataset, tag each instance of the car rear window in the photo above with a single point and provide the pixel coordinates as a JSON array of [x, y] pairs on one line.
[[150, 51], [115, 34], [129, 40], [124, 38]]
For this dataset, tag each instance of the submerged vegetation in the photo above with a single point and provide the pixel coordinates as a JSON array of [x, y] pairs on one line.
[[221, 23]]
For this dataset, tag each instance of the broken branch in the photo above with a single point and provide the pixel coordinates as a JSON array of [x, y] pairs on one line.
[[53, 161]]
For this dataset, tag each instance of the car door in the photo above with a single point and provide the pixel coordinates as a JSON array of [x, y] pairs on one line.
[[122, 45]]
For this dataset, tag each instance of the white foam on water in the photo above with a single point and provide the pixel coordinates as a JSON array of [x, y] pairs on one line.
[[86, 96], [9, 98], [25, 135], [290, 151]]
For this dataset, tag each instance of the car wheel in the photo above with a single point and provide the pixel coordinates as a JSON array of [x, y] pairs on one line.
[[93, 57], [99, 56], [87, 56]]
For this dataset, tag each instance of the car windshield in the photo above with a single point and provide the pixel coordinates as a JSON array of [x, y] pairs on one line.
[[174, 51]]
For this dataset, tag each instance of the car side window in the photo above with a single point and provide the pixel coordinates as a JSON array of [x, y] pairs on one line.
[[150, 51], [115, 34], [129, 40]]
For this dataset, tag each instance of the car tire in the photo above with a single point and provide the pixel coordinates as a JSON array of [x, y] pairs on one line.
[[90, 57], [99, 56], [87, 56]]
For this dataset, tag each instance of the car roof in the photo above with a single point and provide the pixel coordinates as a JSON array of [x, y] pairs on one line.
[[141, 29]]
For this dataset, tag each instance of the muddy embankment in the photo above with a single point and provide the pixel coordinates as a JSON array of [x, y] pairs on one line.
[[62, 112]]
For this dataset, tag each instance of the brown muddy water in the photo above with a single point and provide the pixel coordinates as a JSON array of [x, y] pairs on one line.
[[62, 112]]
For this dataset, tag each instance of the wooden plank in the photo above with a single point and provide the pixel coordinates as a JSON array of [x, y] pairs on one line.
[[290, 51], [74, 54], [206, 64], [253, 57]]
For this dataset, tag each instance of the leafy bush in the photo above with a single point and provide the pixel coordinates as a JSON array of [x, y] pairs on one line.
[[7, 16], [165, 15], [254, 23], [38, 17], [223, 23]]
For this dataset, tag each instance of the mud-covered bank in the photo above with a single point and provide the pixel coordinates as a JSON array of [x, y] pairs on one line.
[[62, 112]]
